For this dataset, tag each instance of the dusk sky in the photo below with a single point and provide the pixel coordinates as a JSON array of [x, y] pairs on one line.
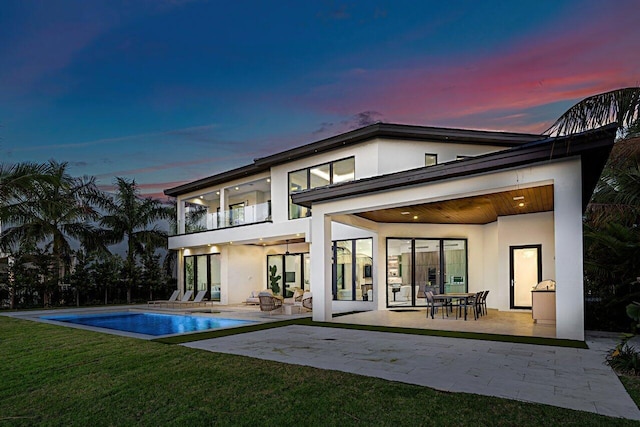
[[165, 92]]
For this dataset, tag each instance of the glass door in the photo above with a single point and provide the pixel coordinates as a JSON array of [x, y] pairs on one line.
[[416, 266], [455, 266], [202, 274], [292, 273], [427, 268], [525, 272], [306, 285], [275, 269], [343, 270], [399, 256], [214, 269]]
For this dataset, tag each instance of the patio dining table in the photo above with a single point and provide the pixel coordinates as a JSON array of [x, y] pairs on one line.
[[463, 297]]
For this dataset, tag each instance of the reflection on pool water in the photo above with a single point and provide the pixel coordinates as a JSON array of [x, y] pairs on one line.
[[149, 323]]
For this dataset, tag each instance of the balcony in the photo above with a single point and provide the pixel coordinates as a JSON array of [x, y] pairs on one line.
[[200, 220]]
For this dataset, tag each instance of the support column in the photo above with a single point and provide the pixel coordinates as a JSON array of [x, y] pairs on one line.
[[320, 253], [567, 195], [181, 217], [222, 221]]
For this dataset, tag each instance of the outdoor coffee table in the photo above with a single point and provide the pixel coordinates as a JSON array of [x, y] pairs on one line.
[[289, 308]]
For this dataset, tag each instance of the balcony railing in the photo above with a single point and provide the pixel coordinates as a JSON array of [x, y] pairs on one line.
[[232, 218]]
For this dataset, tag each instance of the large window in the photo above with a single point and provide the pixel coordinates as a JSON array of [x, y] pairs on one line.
[[416, 266], [352, 270], [318, 176], [430, 159]]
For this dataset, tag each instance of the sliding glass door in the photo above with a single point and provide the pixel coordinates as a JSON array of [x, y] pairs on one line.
[[353, 270], [202, 273], [286, 272], [418, 265]]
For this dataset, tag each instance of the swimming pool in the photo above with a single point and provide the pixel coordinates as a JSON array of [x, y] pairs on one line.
[[149, 323]]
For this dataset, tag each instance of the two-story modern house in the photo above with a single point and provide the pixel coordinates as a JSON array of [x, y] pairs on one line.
[[372, 218]]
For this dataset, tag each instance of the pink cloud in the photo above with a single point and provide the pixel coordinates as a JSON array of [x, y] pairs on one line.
[[582, 55]]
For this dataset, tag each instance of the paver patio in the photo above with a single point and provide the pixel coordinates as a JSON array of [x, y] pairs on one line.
[[565, 377]]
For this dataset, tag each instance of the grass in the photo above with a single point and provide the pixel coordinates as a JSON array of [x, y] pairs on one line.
[[53, 375]]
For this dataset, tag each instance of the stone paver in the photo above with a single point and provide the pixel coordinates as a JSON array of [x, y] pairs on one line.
[[566, 377]]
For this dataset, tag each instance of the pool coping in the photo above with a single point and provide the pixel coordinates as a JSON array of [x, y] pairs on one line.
[[35, 315]]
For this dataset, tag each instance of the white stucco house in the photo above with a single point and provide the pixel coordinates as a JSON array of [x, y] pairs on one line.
[[369, 219]]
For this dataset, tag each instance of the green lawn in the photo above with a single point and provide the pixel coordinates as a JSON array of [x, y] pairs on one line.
[[52, 375]]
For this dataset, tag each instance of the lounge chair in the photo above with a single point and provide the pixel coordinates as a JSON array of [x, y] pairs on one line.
[[269, 303], [197, 300], [172, 298], [186, 297]]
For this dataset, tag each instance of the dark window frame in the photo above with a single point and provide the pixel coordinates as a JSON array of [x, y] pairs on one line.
[[413, 259], [308, 183], [195, 272], [354, 266], [432, 155]]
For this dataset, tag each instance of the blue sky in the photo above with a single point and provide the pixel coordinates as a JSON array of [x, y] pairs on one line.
[[166, 92]]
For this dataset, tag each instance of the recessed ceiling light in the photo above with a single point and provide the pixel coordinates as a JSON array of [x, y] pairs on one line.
[[237, 188], [261, 239], [518, 198], [231, 243], [405, 213], [415, 217], [202, 197], [521, 204], [268, 179], [217, 193]]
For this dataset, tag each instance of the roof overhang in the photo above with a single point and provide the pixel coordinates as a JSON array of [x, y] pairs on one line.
[[377, 130], [593, 147]]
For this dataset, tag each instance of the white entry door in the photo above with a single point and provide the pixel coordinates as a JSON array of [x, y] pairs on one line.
[[526, 272]]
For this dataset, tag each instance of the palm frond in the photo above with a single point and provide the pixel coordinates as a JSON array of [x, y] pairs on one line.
[[620, 106]]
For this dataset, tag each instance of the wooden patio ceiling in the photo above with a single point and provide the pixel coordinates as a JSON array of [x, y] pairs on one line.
[[470, 210]]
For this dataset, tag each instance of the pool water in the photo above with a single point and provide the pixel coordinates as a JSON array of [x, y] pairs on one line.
[[149, 323]]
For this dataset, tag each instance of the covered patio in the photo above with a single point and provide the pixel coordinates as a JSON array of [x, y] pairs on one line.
[[484, 210], [495, 322]]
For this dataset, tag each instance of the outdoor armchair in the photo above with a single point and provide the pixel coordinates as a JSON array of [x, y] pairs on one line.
[[307, 300], [269, 303]]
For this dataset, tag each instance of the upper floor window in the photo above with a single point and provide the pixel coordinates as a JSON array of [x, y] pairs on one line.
[[318, 176], [430, 159]]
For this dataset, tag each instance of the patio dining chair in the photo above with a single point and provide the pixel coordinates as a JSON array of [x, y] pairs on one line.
[[433, 305], [483, 302], [473, 303]]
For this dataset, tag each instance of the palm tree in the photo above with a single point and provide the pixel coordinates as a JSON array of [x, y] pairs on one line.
[[134, 219], [616, 197], [55, 212], [620, 106], [16, 180]]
